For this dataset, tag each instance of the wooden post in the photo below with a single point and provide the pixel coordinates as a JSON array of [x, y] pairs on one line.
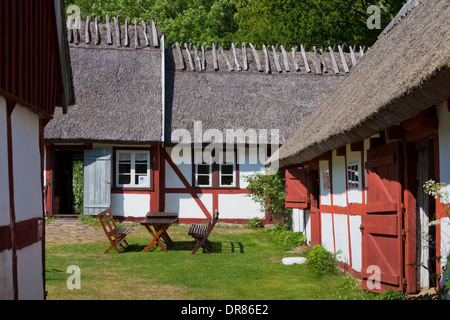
[[333, 59], [244, 56], [87, 32], [296, 66], [344, 62], [216, 63], [118, 36], [255, 55], [191, 62], [285, 59], [180, 56], [222, 52], [305, 59], [147, 42], [155, 34], [276, 59], [266, 56], [97, 33], [108, 30], [236, 61]]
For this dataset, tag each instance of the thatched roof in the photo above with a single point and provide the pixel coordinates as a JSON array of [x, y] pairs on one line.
[[119, 93], [405, 72]]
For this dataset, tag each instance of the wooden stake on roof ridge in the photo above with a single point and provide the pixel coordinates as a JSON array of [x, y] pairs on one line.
[[305, 59], [333, 60], [222, 52], [118, 35], [266, 56], [191, 62], [285, 59], [276, 59], [97, 33], [108, 30], [236, 61], [322, 59], [87, 31], [144, 25], [216, 64], [344, 62], [244, 55], [255, 55], [155, 34], [180, 56], [296, 66]]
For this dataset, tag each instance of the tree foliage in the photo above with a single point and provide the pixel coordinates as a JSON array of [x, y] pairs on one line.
[[318, 22]]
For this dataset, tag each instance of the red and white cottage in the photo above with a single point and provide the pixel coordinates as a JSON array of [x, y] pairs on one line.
[[34, 78], [357, 165]]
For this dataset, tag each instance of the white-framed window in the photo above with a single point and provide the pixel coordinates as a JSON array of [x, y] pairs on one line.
[[353, 175], [326, 179], [203, 175], [133, 169], [227, 169]]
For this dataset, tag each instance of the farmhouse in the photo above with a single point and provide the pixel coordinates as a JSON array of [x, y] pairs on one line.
[[356, 166], [34, 78], [139, 95]]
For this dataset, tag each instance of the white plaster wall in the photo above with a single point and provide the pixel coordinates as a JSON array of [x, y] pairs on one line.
[[26, 164], [239, 206], [325, 196], [172, 180], [249, 163], [130, 204], [6, 275], [355, 241], [341, 237], [4, 182], [339, 181], [186, 206], [297, 220], [327, 231], [29, 272], [354, 157]]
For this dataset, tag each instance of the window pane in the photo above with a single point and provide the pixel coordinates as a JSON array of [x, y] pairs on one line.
[[141, 168], [226, 180], [141, 157], [124, 156], [203, 180], [227, 169], [124, 168], [124, 179], [203, 168]]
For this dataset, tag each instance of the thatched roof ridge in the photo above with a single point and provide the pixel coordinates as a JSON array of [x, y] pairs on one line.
[[406, 71]]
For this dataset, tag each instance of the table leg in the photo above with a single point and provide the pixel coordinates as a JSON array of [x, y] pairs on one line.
[[155, 239]]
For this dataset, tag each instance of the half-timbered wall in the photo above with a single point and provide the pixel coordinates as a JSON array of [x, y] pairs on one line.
[[21, 210]]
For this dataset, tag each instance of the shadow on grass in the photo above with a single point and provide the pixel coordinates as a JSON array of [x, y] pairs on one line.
[[217, 247]]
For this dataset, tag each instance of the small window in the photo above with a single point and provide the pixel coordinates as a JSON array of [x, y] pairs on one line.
[[353, 176], [203, 174], [326, 179], [227, 170], [133, 169]]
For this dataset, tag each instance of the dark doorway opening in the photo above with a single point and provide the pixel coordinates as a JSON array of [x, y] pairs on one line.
[[68, 182]]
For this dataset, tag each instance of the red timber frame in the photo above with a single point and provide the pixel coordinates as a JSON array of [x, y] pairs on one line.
[[196, 191]]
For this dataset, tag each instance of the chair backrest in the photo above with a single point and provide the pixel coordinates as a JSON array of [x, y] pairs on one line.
[[213, 220], [107, 220]]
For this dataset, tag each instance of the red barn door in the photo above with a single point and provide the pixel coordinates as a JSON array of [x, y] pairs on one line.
[[382, 256]]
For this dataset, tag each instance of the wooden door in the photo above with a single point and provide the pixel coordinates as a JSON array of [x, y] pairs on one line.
[[296, 188], [381, 223], [97, 180]]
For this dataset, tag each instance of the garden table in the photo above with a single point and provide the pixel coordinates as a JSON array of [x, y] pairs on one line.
[[157, 224]]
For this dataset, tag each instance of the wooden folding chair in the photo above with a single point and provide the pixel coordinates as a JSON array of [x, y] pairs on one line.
[[115, 235], [201, 233]]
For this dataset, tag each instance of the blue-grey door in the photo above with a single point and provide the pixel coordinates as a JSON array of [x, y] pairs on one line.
[[97, 180]]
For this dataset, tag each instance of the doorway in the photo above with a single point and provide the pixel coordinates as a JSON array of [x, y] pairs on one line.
[[425, 210], [68, 182]]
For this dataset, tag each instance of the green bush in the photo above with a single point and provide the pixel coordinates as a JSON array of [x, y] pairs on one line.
[[287, 238], [321, 261], [255, 224]]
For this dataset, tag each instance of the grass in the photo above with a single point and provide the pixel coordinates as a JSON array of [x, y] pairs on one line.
[[247, 266]]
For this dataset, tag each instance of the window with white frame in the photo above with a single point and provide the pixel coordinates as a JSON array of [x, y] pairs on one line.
[[227, 170], [203, 175], [353, 175], [133, 168]]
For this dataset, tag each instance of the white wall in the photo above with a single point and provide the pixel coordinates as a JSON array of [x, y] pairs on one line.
[[327, 231], [29, 272], [355, 241], [325, 195], [339, 180], [239, 206], [186, 206], [130, 204], [27, 164]]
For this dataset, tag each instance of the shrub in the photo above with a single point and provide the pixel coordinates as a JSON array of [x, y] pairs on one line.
[[321, 261], [287, 238], [255, 224]]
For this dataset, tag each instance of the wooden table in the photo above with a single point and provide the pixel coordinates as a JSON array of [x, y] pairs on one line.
[[157, 224]]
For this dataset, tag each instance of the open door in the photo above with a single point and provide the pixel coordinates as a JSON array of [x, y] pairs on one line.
[[97, 180], [381, 223], [296, 188]]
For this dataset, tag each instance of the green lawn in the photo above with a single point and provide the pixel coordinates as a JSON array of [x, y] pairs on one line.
[[247, 266]]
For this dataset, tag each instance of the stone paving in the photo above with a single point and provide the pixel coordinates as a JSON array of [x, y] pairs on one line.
[[72, 231]]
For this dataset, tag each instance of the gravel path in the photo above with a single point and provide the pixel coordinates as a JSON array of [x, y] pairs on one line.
[[72, 231]]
